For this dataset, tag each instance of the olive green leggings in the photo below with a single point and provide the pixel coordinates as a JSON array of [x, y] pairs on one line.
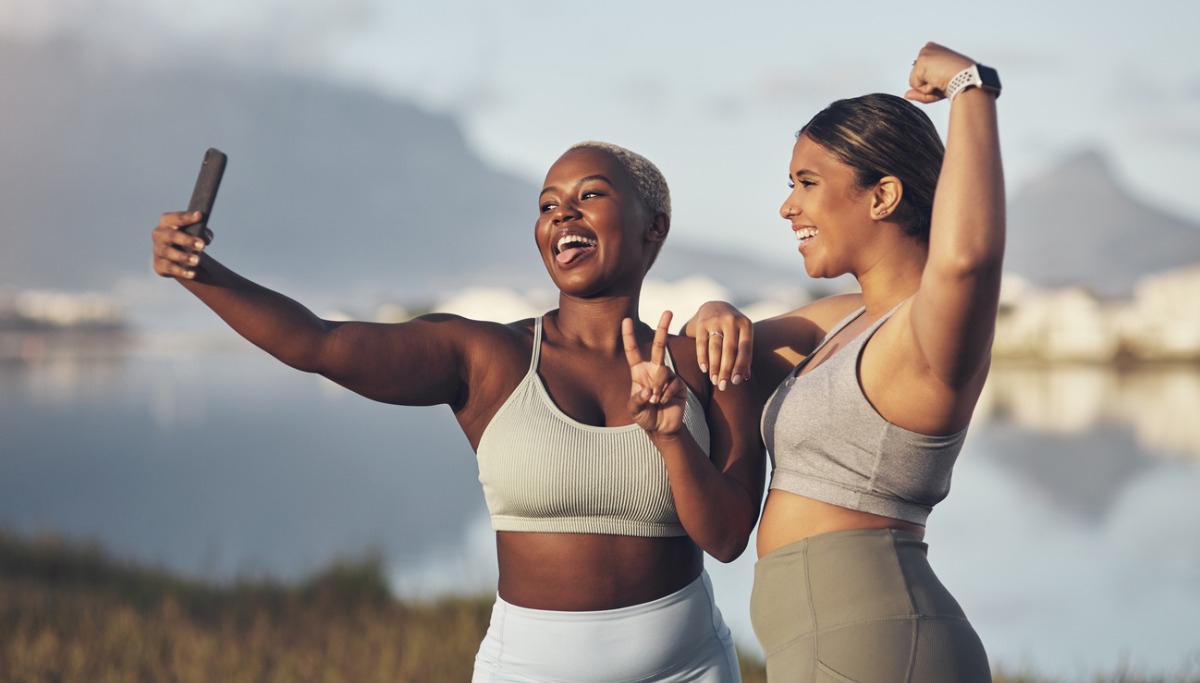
[[861, 607]]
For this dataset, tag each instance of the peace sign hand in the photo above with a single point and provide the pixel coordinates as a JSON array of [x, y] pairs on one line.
[[656, 394]]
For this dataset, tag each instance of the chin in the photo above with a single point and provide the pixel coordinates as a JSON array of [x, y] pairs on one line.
[[811, 270], [816, 271]]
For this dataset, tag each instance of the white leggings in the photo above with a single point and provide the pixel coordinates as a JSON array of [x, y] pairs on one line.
[[680, 637]]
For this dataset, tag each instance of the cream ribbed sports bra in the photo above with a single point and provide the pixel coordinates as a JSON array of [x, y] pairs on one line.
[[543, 471]]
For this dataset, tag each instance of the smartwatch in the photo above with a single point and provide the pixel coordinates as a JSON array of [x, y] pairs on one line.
[[974, 76]]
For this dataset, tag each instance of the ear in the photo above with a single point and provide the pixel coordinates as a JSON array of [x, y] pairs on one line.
[[659, 227], [886, 197]]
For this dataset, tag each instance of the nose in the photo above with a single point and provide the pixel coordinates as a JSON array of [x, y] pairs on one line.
[[789, 208], [565, 212]]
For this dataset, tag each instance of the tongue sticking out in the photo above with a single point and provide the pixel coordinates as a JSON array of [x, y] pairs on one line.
[[573, 252]]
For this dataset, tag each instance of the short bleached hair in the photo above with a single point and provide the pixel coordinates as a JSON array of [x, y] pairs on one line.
[[649, 182]]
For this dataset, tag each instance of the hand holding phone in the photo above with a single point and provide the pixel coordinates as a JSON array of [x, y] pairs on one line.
[[205, 192]]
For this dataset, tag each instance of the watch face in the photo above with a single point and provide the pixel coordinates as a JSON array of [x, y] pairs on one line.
[[988, 77]]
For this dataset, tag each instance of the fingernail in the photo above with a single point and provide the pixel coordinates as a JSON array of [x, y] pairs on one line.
[[737, 379], [198, 245], [194, 260], [723, 385], [713, 378], [704, 367]]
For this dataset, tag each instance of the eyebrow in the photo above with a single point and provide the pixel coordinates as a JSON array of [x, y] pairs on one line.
[[804, 172], [598, 176]]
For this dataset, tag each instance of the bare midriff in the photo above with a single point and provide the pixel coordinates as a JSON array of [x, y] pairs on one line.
[[578, 572], [788, 518]]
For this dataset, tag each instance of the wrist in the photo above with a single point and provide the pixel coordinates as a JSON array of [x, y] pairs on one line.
[[975, 76], [662, 439]]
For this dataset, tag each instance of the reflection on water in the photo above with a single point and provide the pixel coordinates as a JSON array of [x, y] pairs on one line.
[[1069, 535]]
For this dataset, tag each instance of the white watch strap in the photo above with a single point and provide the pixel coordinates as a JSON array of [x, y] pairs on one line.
[[964, 79]]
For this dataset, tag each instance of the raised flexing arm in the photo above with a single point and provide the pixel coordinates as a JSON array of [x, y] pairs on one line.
[[954, 311]]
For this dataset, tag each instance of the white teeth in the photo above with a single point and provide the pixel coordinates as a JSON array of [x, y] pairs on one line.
[[806, 233], [574, 239]]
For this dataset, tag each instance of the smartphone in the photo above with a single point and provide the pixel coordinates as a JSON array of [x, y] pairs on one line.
[[205, 192]]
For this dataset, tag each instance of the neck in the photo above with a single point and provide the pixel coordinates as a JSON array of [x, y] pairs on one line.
[[594, 323], [894, 278]]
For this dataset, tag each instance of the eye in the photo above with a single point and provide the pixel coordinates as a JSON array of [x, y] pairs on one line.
[[548, 206], [588, 194], [802, 181]]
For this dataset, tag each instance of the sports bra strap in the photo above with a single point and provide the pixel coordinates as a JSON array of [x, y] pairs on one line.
[[537, 344]]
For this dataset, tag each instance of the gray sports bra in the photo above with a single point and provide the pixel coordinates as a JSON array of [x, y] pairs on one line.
[[543, 471], [828, 443]]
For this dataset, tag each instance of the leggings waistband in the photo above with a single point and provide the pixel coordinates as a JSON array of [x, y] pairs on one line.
[[677, 635]]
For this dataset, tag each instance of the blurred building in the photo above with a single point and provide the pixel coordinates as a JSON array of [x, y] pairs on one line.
[[1160, 322]]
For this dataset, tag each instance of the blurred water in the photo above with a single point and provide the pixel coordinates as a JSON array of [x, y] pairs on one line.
[[1070, 535]]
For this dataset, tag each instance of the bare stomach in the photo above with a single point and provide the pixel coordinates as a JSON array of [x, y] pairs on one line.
[[576, 572], [788, 518]]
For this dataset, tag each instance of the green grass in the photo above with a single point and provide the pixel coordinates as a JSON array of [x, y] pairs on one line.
[[70, 613]]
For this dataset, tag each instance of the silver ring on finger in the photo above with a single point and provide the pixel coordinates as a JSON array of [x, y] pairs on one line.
[[717, 333]]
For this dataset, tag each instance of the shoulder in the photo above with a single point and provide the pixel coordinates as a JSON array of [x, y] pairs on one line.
[[450, 324], [793, 335], [480, 342], [494, 358], [824, 313], [491, 338]]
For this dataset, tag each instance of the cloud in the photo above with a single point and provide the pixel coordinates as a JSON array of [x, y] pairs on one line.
[[811, 89], [1172, 130], [267, 34]]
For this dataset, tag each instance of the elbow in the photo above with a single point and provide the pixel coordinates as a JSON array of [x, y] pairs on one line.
[[980, 265], [732, 544], [972, 253], [729, 551], [318, 352], [305, 356]]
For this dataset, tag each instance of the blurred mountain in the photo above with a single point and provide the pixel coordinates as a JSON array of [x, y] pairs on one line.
[[325, 185], [328, 188], [340, 191], [1076, 224]]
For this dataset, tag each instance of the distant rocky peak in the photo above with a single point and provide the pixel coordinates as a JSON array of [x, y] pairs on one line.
[[1077, 223]]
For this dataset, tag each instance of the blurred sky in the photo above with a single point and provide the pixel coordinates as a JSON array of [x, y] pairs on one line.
[[710, 91]]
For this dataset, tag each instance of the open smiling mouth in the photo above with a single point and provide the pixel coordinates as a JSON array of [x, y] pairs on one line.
[[572, 247], [803, 235]]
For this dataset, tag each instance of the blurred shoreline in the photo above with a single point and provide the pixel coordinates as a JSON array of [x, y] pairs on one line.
[[1158, 326]]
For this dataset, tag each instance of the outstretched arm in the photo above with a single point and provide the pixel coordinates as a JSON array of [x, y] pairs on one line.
[[954, 311], [414, 363], [717, 498]]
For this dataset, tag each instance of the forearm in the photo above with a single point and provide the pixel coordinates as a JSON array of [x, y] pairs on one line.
[[271, 321], [716, 510]]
